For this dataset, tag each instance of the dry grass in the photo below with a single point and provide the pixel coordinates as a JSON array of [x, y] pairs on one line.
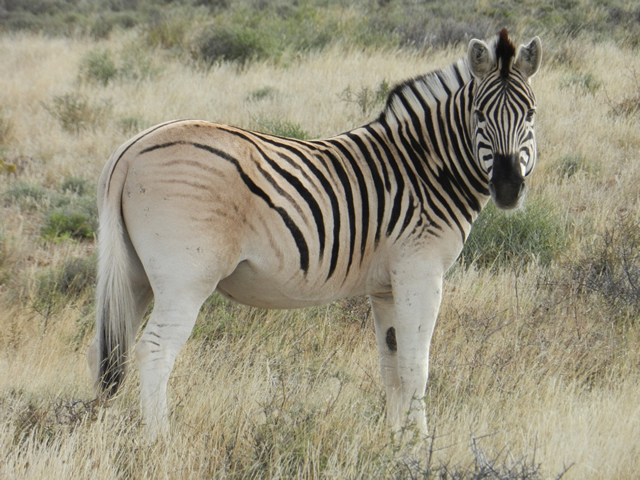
[[528, 372]]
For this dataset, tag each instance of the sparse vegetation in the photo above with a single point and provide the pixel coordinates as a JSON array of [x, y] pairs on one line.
[[610, 268], [368, 99], [534, 364]]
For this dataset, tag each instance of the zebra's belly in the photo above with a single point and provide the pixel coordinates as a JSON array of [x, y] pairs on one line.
[[253, 287]]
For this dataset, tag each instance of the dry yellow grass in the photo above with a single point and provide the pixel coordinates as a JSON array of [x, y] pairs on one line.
[[518, 365]]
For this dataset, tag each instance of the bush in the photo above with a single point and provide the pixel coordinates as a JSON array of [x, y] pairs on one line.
[[136, 64], [75, 185], [282, 128], [611, 268], [533, 233], [58, 286], [105, 22], [25, 195], [168, 29], [67, 222], [75, 112], [71, 219], [98, 66], [72, 214], [233, 44]]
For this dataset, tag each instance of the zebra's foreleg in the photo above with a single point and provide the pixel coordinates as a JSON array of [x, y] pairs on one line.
[[384, 315], [417, 293]]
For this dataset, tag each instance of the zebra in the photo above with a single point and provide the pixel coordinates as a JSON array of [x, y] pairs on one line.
[[190, 207]]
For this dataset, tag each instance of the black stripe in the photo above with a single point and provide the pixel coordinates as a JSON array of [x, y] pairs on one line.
[[295, 183], [408, 215], [364, 193], [377, 180], [333, 198], [397, 200], [419, 166], [297, 235], [346, 184], [132, 144], [443, 82]]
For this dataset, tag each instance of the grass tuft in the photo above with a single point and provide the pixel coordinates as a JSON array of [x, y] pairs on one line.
[[535, 233]]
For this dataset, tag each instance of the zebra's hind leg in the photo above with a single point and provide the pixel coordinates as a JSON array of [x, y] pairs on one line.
[[169, 327]]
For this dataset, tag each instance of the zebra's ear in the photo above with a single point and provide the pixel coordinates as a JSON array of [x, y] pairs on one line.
[[480, 58], [529, 58]]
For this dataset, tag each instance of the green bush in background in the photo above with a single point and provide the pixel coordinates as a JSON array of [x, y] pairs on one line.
[[195, 27]]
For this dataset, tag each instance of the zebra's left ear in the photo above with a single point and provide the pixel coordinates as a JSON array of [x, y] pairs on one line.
[[480, 58], [529, 58]]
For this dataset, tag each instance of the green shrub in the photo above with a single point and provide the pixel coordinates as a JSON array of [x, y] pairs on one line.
[[26, 195], [67, 222], [56, 287], [75, 185], [101, 26], [75, 112], [282, 128], [233, 44], [98, 66], [168, 29], [136, 64], [70, 217], [498, 239]]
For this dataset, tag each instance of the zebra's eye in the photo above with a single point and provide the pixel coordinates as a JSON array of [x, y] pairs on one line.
[[479, 116], [530, 115]]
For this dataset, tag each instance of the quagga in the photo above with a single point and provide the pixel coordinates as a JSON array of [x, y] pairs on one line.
[[190, 207]]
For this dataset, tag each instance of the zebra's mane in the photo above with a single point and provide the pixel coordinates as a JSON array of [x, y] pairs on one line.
[[430, 89], [426, 90]]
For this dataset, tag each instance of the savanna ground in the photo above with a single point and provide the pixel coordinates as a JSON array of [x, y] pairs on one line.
[[535, 364]]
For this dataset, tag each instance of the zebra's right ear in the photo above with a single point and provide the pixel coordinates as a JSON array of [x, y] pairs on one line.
[[480, 58]]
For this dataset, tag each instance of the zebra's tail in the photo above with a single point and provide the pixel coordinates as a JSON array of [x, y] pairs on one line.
[[115, 304]]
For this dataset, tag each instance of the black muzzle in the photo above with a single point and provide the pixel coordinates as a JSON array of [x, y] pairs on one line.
[[507, 182]]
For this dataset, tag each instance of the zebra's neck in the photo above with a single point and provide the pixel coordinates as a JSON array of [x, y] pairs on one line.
[[433, 113]]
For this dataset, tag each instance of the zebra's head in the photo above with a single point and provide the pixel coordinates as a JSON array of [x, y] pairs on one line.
[[503, 113]]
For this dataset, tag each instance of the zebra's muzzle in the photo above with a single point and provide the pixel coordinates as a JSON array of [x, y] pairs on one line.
[[507, 182]]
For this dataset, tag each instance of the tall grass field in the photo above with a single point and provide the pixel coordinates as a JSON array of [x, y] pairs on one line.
[[535, 362]]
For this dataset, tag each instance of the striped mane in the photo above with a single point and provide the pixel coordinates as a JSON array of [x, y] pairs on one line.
[[425, 91], [430, 89]]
